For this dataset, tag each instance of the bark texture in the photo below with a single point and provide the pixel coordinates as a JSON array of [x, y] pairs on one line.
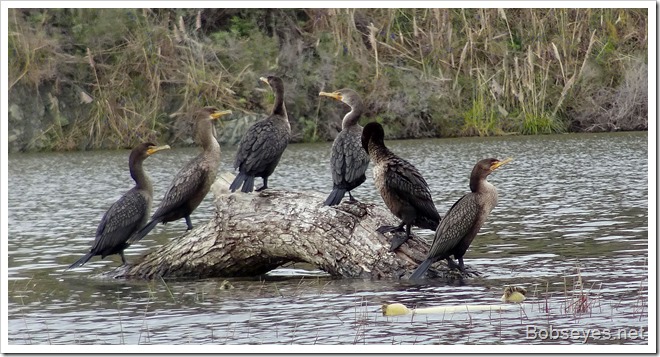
[[251, 234]]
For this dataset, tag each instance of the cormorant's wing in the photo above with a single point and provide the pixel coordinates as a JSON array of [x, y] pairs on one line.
[[456, 224], [121, 220], [262, 144], [404, 180], [246, 143], [188, 181], [348, 159]]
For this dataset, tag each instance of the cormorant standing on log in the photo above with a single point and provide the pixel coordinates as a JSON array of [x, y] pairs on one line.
[[464, 219], [129, 213], [193, 181], [262, 146], [348, 161], [401, 186]]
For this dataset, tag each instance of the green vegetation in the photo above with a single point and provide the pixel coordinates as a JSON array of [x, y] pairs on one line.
[[107, 78]]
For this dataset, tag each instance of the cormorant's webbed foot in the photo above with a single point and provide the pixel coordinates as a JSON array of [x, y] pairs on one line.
[[385, 229], [350, 198], [452, 265], [188, 223], [462, 270], [471, 272], [465, 271], [388, 229], [265, 186], [398, 239]]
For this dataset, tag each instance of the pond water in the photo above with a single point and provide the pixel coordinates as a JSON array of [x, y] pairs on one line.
[[571, 226]]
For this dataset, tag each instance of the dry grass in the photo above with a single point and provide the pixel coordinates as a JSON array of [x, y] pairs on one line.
[[622, 108], [33, 61], [128, 91], [578, 300], [422, 72], [517, 79]]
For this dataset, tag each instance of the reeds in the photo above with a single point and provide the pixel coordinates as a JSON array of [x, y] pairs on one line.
[[573, 303], [150, 74], [423, 72]]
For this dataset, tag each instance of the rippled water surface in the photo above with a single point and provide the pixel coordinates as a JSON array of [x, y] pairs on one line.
[[573, 209]]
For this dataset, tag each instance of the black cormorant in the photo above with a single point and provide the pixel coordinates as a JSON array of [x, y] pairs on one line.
[[262, 146], [193, 181], [348, 161], [401, 186], [128, 214], [464, 219]]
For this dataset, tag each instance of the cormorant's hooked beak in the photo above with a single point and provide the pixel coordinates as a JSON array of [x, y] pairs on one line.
[[497, 164], [335, 95], [264, 79], [220, 113], [154, 149]]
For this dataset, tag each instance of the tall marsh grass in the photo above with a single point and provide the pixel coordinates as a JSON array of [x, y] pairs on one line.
[[120, 76]]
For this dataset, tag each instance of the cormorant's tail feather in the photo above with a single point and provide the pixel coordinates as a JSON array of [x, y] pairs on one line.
[[335, 196], [81, 261], [238, 181], [144, 231], [248, 185], [242, 180], [421, 269]]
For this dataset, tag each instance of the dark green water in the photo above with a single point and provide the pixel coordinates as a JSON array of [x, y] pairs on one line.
[[568, 203]]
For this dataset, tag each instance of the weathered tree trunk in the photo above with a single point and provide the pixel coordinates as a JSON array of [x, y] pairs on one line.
[[251, 234]]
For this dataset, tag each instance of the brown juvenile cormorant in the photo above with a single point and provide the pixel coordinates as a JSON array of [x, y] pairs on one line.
[[128, 214], [193, 181], [348, 161], [401, 186], [464, 219], [262, 146]]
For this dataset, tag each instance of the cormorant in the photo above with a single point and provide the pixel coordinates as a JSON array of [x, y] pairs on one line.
[[193, 181], [262, 146], [348, 161], [464, 219], [129, 213], [401, 186]]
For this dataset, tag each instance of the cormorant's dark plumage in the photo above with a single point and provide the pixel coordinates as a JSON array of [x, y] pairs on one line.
[[464, 219], [262, 146], [401, 186], [348, 161], [193, 181], [128, 214]]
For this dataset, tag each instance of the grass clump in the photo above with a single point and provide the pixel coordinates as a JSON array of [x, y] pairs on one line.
[[544, 124]]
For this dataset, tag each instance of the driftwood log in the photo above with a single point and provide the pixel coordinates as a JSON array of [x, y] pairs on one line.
[[251, 234]]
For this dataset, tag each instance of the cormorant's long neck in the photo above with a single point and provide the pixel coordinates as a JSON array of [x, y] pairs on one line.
[[479, 184], [378, 151], [351, 118], [278, 107], [486, 193], [206, 136], [142, 181]]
